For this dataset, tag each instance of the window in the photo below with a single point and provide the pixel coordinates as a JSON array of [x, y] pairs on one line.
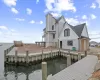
[[67, 32], [70, 43], [52, 27], [53, 36]]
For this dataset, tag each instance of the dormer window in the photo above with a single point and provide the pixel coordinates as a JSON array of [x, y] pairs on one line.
[[67, 32], [52, 27]]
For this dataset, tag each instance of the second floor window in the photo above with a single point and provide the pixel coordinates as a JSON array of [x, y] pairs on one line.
[[52, 27], [67, 32]]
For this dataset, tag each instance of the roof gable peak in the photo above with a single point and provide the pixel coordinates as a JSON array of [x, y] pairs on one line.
[[62, 17]]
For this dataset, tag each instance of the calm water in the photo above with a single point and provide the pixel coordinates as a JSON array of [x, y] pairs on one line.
[[28, 73]]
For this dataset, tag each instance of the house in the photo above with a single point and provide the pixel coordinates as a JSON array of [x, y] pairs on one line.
[[58, 33], [93, 44]]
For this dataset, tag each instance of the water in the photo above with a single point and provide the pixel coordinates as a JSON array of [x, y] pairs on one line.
[[28, 73]]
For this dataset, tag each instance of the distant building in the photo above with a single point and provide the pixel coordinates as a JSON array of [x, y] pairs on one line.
[[58, 33], [93, 44]]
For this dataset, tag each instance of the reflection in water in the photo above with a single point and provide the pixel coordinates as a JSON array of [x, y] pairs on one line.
[[33, 72]]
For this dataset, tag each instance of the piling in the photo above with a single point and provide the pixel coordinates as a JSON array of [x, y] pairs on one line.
[[5, 53], [68, 60], [85, 53], [44, 71], [16, 56], [27, 57], [42, 55], [51, 54], [69, 51], [59, 52], [79, 56]]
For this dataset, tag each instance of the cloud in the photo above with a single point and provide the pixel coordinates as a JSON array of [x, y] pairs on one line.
[[32, 22], [94, 35], [76, 16], [59, 5], [0, 32], [10, 33], [14, 10], [72, 21], [13, 30], [20, 19], [29, 11], [93, 6], [10, 2], [41, 22], [98, 1], [84, 17], [37, 1], [93, 16], [3, 28], [7, 33], [56, 14]]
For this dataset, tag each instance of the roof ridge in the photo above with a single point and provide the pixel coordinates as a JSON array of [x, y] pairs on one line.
[[79, 24]]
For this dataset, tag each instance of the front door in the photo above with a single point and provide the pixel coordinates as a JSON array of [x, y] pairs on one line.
[[60, 44]]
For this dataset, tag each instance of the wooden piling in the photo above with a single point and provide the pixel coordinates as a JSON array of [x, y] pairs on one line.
[[5, 53], [85, 53], [16, 56], [68, 60], [69, 51], [79, 56], [59, 52], [27, 57], [44, 71], [51, 54], [42, 55]]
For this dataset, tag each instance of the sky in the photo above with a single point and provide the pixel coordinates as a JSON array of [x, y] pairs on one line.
[[25, 19]]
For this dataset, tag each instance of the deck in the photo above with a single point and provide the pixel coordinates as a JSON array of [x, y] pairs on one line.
[[81, 70], [30, 53]]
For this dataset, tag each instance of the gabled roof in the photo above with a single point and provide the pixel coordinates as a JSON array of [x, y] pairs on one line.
[[79, 28], [60, 18]]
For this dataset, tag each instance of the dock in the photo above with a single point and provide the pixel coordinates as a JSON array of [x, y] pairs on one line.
[[13, 56], [81, 70]]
